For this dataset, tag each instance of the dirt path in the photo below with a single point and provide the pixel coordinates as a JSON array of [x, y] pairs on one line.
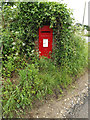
[[58, 108]]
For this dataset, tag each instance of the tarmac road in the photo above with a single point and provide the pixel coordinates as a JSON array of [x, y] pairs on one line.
[[83, 110], [79, 111], [83, 113]]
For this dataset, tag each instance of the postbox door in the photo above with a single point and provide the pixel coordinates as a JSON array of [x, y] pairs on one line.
[[45, 41]]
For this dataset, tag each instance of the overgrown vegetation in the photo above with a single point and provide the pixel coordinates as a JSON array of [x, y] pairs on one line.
[[88, 56], [36, 78], [87, 35]]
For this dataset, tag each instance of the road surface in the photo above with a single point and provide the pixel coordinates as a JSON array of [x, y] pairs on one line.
[[79, 111]]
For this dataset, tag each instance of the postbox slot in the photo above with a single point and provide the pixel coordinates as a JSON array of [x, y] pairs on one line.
[[45, 31]]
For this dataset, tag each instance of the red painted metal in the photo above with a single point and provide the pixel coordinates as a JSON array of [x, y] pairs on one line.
[[45, 34]]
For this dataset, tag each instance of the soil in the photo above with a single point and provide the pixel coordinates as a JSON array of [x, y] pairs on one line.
[[58, 108]]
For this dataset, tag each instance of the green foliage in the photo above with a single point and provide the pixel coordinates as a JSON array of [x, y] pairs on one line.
[[38, 77], [8, 67], [75, 55], [21, 22], [24, 19], [32, 84], [88, 55], [87, 27], [18, 96]]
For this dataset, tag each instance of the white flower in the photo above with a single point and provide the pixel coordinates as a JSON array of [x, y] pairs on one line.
[[23, 44], [11, 18], [13, 47], [16, 32], [14, 57], [11, 7], [14, 6], [5, 3], [3, 68], [39, 51], [16, 53], [32, 51], [5, 55], [13, 43], [12, 31]]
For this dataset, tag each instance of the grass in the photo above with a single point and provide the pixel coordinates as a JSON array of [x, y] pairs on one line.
[[43, 78], [89, 55], [87, 35]]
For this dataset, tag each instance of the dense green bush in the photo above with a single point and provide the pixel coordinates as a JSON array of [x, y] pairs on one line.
[[33, 83], [37, 77], [24, 19], [18, 94], [21, 22]]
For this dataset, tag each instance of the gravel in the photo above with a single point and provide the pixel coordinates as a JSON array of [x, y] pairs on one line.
[[76, 104]]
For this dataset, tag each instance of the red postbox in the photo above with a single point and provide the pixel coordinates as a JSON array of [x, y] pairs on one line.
[[45, 41]]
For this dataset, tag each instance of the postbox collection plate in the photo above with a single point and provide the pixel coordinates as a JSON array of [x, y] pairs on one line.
[[45, 42]]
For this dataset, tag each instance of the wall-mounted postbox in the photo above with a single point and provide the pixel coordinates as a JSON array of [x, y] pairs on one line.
[[45, 41]]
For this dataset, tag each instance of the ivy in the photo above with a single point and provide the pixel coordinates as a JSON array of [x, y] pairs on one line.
[[22, 20], [37, 77], [35, 15]]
